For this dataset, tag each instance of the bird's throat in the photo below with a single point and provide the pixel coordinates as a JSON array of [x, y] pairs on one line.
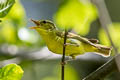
[[48, 37]]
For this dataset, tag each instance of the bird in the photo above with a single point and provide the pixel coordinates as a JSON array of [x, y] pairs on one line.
[[75, 44]]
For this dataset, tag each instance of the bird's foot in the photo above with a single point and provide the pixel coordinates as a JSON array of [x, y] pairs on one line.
[[68, 59], [63, 63]]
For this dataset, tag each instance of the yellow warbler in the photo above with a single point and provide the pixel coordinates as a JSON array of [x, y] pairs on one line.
[[75, 44]]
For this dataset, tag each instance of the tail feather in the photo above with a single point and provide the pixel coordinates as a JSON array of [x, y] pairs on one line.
[[104, 51]]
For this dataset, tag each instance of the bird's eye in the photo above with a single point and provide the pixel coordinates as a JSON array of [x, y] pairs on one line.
[[44, 21]]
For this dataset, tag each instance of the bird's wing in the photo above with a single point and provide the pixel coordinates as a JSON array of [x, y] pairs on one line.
[[73, 42], [70, 41], [93, 40], [82, 39], [75, 36], [61, 34], [102, 49]]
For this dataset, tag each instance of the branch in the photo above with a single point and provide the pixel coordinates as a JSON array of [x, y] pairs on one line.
[[63, 57], [104, 70]]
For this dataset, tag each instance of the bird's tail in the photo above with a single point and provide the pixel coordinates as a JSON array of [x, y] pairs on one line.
[[103, 50]]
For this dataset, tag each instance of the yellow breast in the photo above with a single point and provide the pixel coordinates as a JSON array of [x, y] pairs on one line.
[[55, 44]]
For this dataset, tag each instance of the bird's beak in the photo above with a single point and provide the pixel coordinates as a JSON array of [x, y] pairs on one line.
[[36, 22], [34, 27]]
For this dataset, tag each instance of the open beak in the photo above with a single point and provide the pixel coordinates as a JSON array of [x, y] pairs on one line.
[[37, 24], [34, 27]]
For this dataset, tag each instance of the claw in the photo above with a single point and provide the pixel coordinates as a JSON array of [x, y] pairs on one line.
[[63, 63], [65, 44]]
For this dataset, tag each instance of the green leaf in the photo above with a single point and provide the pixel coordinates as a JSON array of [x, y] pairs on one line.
[[5, 6], [76, 14], [11, 72], [8, 32], [11, 23]]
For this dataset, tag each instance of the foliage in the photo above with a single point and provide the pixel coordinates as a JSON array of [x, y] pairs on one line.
[[11, 72], [76, 14], [11, 23], [12, 28], [5, 6]]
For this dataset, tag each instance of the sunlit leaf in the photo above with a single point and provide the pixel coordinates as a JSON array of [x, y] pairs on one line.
[[5, 6], [17, 15], [76, 14], [8, 32], [114, 31], [11, 72], [11, 23]]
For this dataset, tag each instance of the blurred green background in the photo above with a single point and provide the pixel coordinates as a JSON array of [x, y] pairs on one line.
[[21, 45]]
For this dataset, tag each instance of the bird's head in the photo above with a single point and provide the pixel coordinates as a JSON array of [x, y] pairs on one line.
[[43, 25]]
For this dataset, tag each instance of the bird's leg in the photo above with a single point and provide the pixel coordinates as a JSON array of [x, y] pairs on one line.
[[67, 59], [64, 63], [73, 56]]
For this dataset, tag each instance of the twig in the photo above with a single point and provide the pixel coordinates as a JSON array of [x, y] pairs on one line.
[[63, 57], [104, 70]]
